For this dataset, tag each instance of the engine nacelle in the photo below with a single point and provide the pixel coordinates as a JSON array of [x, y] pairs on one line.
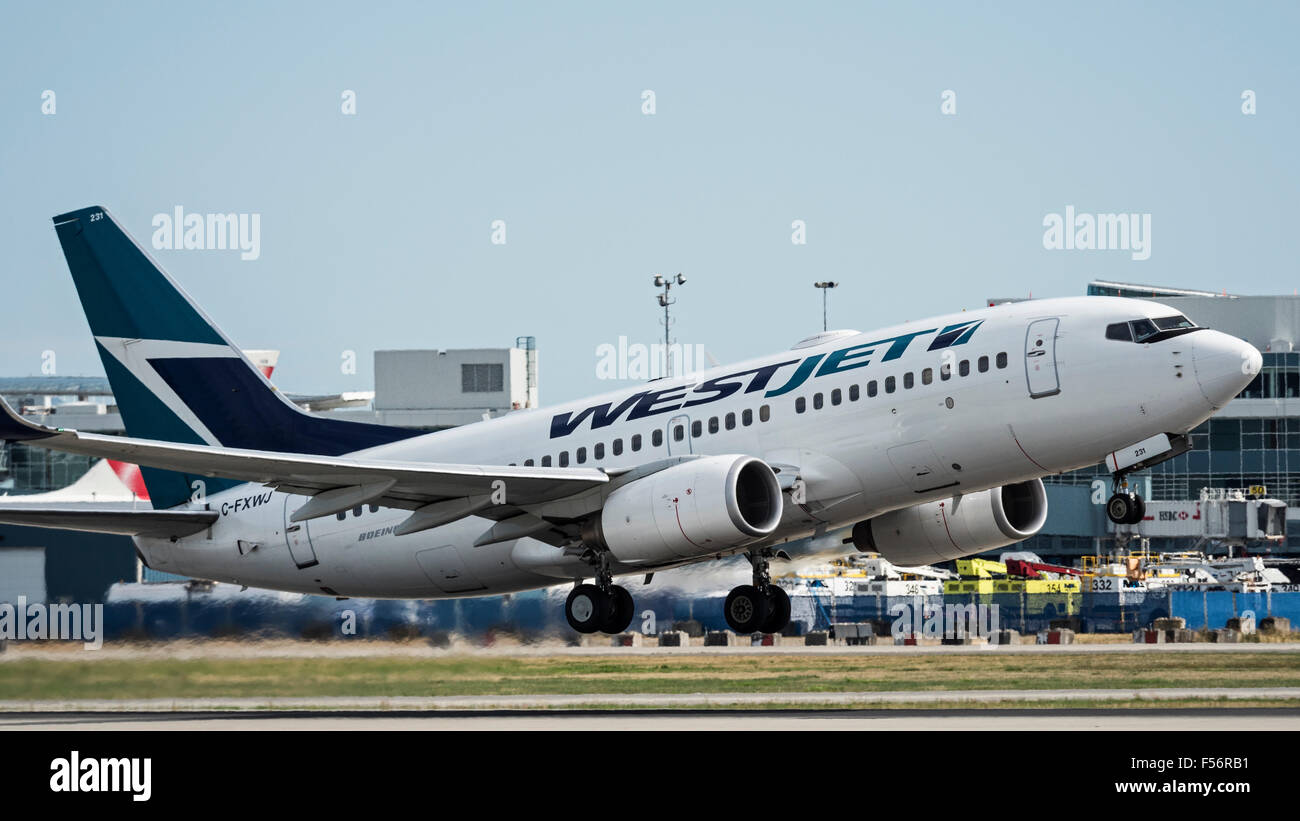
[[951, 528], [695, 508]]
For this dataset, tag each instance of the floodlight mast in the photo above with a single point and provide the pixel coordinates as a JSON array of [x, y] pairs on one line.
[[667, 283]]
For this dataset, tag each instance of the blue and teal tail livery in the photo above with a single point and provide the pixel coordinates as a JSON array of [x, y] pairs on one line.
[[175, 376]]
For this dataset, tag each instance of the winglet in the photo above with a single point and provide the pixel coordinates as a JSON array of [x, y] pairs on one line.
[[14, 428]]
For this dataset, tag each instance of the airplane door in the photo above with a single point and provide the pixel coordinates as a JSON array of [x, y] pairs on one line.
[[297, 535], [679, 435], [1040, 358]]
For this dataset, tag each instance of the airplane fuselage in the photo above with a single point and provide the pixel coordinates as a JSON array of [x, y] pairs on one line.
[[868, 423]]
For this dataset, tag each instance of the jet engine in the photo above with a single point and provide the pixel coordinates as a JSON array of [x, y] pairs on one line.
[[695, 508], [950, 528]]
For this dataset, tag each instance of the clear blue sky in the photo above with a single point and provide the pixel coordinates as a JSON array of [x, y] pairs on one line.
[[376, 228]]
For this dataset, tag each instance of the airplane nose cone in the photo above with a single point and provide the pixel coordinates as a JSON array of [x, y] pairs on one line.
[[1224, 365]]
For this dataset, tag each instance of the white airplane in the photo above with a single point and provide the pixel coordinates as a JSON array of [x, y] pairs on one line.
[[924, 441]]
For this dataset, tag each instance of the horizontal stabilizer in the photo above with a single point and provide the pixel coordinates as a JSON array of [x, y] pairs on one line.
[[122, 520]]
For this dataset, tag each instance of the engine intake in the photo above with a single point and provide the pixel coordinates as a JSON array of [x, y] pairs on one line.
[[703, 506], [951, 528]]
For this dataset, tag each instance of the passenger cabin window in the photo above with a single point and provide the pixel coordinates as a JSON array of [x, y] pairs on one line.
[[564, 458], [679, 433], [984, 364], [963, 367], [800, 405], [599, 450], [836, 397], [528, 463], [636, 442], [889, 384], [546, 461], [657, 438], [582, 455], [747, 417], [927, 376], [713, 424], [764, 413], [341, 516], [854, 393], [617, 447], [373, 508], [697, 429], [817, 401], [356, 511], [871, 388], [945, 371], [907, 380], [1002, 360], [731, 421]]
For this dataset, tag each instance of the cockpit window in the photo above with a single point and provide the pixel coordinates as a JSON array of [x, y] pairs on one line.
[[1173, 323], [1150, 330], [1120, 331], [1143, 329]]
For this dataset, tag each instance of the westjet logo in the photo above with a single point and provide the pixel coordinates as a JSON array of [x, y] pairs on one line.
[[651, 403], [126, 775]]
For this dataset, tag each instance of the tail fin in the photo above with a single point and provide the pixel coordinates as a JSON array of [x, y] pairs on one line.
[[175, 375]]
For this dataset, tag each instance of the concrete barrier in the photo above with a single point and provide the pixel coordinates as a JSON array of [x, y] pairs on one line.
[[627, 640], [817, 638], [1176, 623], [674, 638], [1244, 625], [768, 639], [719, 638], [690, 627], [1275, 624], [1058, 636], [1225, 635], [1005, 637]]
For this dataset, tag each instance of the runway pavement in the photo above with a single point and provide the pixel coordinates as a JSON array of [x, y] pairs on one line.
[[1200, 720]]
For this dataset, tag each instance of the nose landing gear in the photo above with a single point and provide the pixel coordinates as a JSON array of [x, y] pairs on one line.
[[603, 606], [761, 607], [1124, 507]]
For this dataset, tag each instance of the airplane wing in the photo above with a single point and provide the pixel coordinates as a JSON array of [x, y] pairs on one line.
[[347, 480], [101, 518]]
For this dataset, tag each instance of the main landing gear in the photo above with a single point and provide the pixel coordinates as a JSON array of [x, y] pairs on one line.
[[1124, 507], [761, 607], [603, 606]]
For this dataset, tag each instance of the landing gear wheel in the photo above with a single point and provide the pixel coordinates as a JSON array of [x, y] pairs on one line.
[[620, 611], [778, 613], [1139, 510], [588, 608], [746, 609], [1120, 508]]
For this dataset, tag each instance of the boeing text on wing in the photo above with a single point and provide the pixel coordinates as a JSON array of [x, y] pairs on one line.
[[925, 441]]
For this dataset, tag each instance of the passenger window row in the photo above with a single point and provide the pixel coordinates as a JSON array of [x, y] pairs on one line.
[[909, 381], [715, 425]]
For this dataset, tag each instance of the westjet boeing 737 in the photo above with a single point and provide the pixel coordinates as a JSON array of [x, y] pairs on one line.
[[924, 441]]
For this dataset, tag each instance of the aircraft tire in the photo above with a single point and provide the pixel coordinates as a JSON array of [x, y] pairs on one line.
[[778, 616], [1119, 508], [621, 610], [746, 609], [587, 608]]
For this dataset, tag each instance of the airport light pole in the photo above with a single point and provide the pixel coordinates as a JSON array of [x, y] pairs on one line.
[[667, 284], [825, 286]]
